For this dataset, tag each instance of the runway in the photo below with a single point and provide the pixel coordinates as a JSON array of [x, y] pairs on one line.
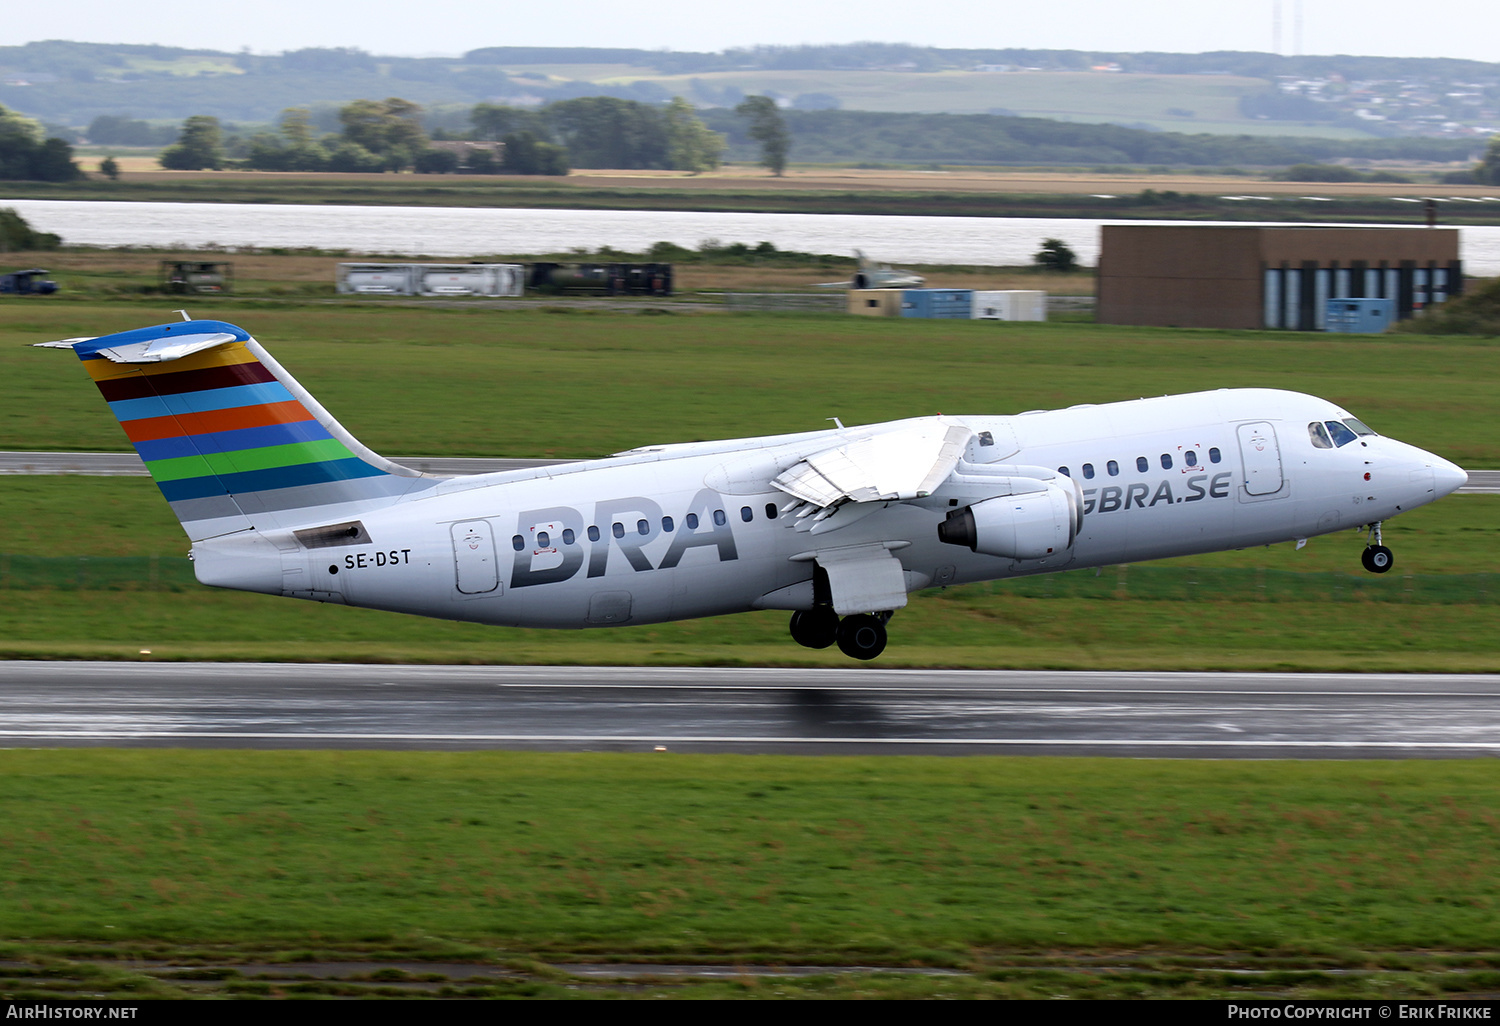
[[128, 464], [743, 710]]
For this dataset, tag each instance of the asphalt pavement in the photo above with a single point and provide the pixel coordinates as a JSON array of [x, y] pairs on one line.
[[731, 709]]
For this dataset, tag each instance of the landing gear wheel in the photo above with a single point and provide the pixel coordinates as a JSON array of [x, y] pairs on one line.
[[815, 628], [1377, 559], [862, 636]]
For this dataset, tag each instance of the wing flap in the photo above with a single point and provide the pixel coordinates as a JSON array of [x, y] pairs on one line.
[[864, 579], [908, 463]]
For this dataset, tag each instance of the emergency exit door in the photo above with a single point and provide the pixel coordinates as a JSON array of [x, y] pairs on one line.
[[1261, 458], [474, 557]]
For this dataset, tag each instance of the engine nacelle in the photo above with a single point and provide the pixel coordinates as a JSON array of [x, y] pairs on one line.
[[1032, 525]]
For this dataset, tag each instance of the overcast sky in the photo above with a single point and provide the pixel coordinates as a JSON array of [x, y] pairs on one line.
[[1395, 28]]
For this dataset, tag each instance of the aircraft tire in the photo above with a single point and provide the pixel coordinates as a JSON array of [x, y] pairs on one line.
[[1377, 559], [862, 636], [815, 628]]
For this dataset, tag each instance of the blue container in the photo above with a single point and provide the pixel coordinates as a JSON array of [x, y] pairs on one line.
[[957, 304], [1360, 315]]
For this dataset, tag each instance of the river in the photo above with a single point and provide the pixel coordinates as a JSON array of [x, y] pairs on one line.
[[462, 232]]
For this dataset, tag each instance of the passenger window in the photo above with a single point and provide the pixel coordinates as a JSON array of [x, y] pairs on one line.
[[593, 533], [1214, 456], [1190, 458], [1319, 435], [746, 514], [692, 521], [666, 525], [543, 540], [618, 530], [518, 543], [1088, 471], [642, 527], [719, 518], [1342, 436], [568, 536], [771, 511], [1141, 464], [1064, 471], [1113, 468], [1166, 461]]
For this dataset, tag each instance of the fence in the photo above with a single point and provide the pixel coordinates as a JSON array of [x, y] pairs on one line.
[[1135, 582]]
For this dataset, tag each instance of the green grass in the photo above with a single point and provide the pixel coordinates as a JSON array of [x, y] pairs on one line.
[[480, 382], [988, 864]]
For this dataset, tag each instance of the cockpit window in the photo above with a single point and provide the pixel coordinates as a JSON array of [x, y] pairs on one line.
[[1319, 435], [1358, 426], [1341, 435]]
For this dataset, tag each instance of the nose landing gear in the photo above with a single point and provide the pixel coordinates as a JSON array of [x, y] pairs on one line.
[[861, 636], [1376, 558]]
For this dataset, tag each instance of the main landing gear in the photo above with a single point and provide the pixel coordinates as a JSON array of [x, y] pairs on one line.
[[861, 636], [1376, 557]]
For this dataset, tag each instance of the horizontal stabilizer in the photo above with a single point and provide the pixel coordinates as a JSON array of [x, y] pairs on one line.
[[161, 350]]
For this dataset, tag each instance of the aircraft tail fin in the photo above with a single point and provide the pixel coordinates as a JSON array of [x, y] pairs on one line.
[[231, 439]]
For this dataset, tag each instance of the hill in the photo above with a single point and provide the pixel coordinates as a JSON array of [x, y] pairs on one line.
[[70, 84]]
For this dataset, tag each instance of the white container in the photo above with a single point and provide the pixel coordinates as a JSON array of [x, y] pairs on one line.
[[376, 279], [1010, 305], [470, 279]]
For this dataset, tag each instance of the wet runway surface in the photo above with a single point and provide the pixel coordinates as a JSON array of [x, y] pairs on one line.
[[843, 711]]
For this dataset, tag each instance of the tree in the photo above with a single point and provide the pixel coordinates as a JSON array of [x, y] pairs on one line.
[[109, 169], [1487, 171], [494, 121], [17, 235], [768, 129], [435, 162], [691, 145], [390, 128], [26, 155], [525, 154], [604, 131], [199, 146], [1055, 255]]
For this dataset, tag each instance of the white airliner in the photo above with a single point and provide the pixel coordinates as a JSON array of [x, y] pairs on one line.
[[837, 525]]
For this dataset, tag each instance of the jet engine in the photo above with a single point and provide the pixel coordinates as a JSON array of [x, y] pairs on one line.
[[1031, 525]]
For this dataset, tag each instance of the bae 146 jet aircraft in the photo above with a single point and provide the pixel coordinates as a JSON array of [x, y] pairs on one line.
[[837, 525]]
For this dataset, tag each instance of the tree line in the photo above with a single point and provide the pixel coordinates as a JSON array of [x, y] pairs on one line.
[[387, 135]]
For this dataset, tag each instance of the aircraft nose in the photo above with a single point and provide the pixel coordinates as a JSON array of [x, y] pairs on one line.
[[1447, 478]]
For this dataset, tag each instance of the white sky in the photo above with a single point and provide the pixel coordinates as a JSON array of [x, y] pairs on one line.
[[1394, 28]]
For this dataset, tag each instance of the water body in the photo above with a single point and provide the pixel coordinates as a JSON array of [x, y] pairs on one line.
[[473, 232]]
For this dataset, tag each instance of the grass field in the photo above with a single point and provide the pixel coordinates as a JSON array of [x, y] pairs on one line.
[[1188, 879], [580, 382], [139, 874]]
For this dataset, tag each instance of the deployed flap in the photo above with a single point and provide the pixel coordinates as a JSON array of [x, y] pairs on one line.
[[864, 579], [905, 464]]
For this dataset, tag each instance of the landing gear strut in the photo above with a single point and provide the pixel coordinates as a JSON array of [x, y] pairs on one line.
[[1376, 558], [861, 636]]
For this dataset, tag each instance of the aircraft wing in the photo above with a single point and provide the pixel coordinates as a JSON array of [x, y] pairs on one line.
[[908, 463]]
